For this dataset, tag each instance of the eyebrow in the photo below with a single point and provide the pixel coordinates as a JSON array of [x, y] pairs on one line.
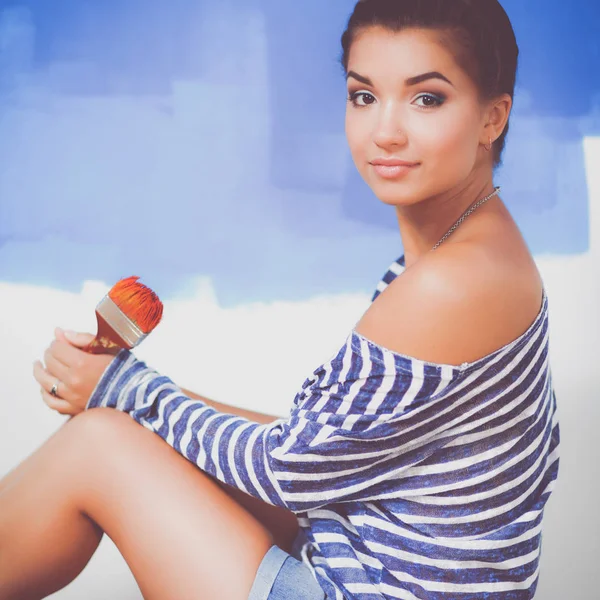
[[410, 81]]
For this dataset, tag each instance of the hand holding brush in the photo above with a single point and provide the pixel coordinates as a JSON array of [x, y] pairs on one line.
[[75, 362]]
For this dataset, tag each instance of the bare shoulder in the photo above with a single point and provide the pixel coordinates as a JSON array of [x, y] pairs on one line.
[[454, 306]]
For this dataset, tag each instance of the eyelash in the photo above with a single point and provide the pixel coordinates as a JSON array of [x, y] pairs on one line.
[[439, 100]]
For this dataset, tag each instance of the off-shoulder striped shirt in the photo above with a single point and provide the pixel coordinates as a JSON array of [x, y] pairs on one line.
[[410, 479]]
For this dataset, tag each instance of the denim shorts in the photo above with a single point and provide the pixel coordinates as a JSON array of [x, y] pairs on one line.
[[283, 576]]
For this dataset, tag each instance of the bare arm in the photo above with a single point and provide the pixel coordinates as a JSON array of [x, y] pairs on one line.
[[233, 410]]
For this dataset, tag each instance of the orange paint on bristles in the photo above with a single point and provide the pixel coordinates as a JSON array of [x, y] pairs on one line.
[[138, 302]]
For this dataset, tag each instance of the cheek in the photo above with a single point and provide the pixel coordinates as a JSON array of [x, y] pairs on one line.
[[357, 136], [439, 136], [456, 134], [451, 139], [352, 130]]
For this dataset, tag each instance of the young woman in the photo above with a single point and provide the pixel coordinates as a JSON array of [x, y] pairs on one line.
[[416, 462]]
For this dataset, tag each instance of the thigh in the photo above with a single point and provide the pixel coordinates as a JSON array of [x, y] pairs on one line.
[[180, 533], [282, 523]]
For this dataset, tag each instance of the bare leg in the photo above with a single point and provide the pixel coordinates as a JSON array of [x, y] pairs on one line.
[[181, 534], [18, 471], [282, 523], [75, 536]]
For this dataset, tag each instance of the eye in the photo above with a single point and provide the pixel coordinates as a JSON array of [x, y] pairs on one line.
[[353, 97], [430, 100]]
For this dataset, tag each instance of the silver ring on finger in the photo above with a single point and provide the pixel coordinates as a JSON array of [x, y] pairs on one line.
[[54, 390]]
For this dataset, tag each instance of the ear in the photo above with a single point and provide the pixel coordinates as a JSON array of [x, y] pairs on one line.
[[496, 118]]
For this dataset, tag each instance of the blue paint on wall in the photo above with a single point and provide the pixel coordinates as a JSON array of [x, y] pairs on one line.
[[190, 138]]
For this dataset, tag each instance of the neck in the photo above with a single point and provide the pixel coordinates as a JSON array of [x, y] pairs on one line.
[[425, 222]]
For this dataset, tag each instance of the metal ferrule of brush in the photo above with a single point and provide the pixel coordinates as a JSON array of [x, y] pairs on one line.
[[125, 328]]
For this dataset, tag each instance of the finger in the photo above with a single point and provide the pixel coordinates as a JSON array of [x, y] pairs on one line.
[[55, 368], [80, 340], [57, 404], [46, 381], [67, 354], [83, 340]]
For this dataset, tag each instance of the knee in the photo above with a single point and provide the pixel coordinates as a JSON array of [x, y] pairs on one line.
[[98, 427], [98, 418], [95, 441]]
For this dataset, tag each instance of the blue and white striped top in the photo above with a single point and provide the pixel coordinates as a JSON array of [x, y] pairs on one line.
[[410, 479]]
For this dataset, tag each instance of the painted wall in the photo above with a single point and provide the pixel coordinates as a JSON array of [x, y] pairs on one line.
[[200, 145]]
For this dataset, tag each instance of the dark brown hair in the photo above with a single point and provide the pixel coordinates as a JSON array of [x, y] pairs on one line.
[[477, 32]]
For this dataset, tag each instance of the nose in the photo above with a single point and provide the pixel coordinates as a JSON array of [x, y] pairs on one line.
[[388, 130]]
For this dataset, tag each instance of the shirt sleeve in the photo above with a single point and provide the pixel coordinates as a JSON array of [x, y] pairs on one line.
[[357, 424]]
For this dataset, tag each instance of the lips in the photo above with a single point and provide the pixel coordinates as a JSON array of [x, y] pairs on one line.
[[393, 162], [392, 168]]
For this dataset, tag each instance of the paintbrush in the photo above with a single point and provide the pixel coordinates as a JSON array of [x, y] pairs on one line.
[[126, 315]]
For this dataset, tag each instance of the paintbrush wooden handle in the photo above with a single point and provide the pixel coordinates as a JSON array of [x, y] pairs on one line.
[[107, 341], [102, 346]]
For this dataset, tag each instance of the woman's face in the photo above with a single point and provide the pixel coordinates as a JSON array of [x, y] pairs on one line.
[[433, 122]]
